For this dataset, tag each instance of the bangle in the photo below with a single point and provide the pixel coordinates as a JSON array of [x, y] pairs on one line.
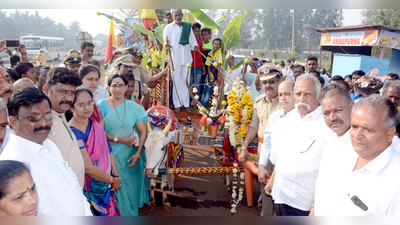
[[113, 182], [110, 180], [24, 55], [137, 154], [243, 148], [116, 175]]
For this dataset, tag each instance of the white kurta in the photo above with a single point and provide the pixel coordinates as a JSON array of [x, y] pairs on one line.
[[298, 146], [59, 193], [233, 76], [376, 184], [266, 146], [181, 56]]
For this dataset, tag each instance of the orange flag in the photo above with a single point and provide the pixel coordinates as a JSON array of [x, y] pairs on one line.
[[148, 17], [110, 43]]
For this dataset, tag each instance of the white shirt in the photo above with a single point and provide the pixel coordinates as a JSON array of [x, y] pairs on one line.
[[266, 146], [59, 193], [100, 93], [298, 158], [6, 139], [233, 76], [289, 75], [376, 185], [396, 143], [284, 70], [180, 53], [326, 78]]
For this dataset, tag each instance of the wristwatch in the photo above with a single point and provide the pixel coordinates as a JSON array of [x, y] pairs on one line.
[[115, 139]]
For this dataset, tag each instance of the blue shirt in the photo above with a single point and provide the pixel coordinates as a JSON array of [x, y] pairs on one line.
[[353, 96]]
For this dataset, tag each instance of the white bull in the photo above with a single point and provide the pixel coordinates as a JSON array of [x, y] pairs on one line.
[[156, 156]]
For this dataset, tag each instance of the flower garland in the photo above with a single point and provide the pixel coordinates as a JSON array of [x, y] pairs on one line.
[[236, 198], [239, 112], [210, 119]]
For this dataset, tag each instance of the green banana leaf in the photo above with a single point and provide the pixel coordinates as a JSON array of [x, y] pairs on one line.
[[112, 18], [237, 65], [159, 31], [163, 56], [145, 60], [145, 31], [220, 20], [188, 17], [231, 34], [204, 19]]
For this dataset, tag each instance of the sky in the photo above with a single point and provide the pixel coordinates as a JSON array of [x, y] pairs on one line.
[[95, 24]]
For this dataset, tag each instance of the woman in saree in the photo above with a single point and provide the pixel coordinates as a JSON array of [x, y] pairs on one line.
[[121, 118], [90, 76], [102, 177]]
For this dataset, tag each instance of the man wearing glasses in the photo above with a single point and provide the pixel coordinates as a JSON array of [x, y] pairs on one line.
[[264, 106], [58, 189], [60, 87], [297, 141]]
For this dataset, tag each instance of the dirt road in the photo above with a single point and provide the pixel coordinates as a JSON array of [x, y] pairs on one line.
[[200, 195]]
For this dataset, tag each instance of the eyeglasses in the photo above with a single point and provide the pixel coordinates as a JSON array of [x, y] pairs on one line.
[[64, 92], [83, 105], [120, 86], [265, 82], [37, 118]]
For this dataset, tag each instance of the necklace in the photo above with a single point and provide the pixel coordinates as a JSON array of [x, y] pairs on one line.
[[81, 125], [117, 110]]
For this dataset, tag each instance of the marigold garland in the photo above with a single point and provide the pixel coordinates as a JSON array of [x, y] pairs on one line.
[[240, 110]]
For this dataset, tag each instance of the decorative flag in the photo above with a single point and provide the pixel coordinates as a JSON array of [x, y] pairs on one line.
[[148, 16], [110, 42]]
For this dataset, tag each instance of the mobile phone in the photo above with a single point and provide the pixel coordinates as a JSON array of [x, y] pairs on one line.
[[12, 43], [257, 64], [357, 201]]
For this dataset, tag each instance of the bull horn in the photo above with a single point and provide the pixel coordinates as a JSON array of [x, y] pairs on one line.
[[167, 128], [149, 127]]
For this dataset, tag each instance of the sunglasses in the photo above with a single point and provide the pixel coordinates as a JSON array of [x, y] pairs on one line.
[[37, 118], [265, 82]]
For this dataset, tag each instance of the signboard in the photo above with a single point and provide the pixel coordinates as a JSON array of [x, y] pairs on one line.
[[131, 36], [389, 39], [120, 41], [350, 38]]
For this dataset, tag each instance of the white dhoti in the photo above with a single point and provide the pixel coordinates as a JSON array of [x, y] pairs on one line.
[[181, 56], [180, 92]]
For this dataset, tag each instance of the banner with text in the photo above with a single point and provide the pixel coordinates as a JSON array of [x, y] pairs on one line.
[[350, 38], [389, 39]]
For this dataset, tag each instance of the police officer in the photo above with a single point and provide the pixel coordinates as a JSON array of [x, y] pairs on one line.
[[127, 63], [73, 61], [264, 106]]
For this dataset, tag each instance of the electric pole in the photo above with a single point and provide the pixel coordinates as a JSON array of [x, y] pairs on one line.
[[293, 31]]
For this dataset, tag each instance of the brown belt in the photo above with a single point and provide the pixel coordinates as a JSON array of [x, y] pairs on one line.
[[261, 140]]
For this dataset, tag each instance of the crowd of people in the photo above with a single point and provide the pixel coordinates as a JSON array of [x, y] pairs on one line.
[[71, 147]]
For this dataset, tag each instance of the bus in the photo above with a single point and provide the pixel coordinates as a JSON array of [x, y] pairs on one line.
[[98, 47], [54, 46]]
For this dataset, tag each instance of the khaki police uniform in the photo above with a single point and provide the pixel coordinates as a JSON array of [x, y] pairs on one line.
[[262, 109]]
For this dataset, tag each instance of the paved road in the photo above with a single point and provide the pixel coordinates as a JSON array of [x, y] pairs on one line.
[[57, 62], [203, 195]]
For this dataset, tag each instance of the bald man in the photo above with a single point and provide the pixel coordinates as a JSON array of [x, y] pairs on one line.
[[23, 83]]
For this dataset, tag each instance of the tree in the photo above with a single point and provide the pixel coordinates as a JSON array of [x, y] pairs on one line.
[[388, 18], [367, 16]]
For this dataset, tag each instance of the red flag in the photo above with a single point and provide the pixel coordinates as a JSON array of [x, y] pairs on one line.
[[110, 43], [148, 17]]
